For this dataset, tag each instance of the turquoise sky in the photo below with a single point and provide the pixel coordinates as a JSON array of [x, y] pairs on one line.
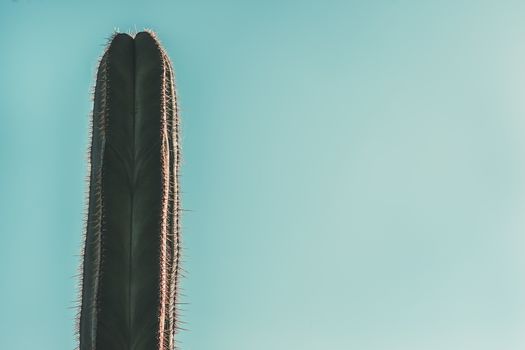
[[354, 171]]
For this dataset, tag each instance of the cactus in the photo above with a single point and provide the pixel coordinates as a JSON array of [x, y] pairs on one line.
[[131, 254]]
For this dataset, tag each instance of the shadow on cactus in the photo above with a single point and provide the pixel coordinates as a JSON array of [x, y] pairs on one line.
[[131, 255]]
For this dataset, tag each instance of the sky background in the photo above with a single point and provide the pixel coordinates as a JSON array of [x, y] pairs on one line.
[[354, 171]]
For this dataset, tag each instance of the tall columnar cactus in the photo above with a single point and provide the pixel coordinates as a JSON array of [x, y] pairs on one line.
[[131, 256]]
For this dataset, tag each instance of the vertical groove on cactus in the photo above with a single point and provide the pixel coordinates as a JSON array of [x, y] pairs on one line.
[[131, 255]]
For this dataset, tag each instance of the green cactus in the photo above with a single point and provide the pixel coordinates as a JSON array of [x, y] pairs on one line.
[[131, 253]]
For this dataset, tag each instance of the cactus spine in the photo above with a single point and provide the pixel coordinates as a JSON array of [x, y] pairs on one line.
[[131, 254]]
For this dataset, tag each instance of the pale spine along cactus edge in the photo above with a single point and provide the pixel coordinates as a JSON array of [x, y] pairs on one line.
[[130, 269]]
